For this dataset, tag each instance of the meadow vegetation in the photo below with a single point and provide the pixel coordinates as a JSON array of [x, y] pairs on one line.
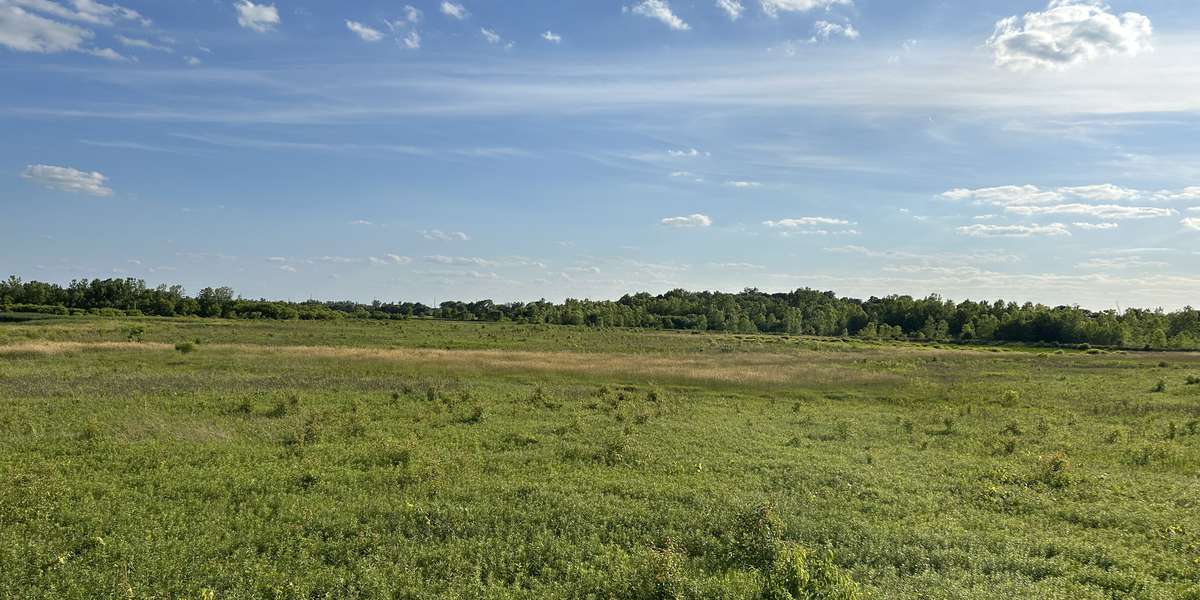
[[215, 458]]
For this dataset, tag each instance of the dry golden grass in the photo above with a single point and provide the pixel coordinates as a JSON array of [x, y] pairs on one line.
[[48, 347], [811, 368]]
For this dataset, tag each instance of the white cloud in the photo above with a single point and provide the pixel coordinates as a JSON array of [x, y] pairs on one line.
[[823, 30], [144, 44], [454, 10], [1105, 192], [1128, 262], [774, 7], [66, 179], [551, 37], [24, 31], [1008, 195], [1068, 33], [412, 14], [461, 261], [85, 11], [733, 8], [361, 222], [1188, 193], [687, 153], [804, 222], [743, 184], [412, 40], [366, 33], [390, 259], [661, 11], [736, 266], [258, 17], [444, 236], [696, 220], [1022, 231], [1095, 226], [288, 269], [1099, 211], [1031, 195], [491, 36], [192, 61], [1194, 209], [1191, 223]]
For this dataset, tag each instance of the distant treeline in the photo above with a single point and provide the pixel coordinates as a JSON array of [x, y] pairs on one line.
[[801, 312]]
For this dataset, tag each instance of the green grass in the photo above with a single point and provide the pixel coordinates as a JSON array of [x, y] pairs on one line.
[[432, 459]]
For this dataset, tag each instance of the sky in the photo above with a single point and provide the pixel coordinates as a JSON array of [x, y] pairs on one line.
[[428, 150]]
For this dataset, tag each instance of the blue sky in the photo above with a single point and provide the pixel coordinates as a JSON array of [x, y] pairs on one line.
[[516, 150]]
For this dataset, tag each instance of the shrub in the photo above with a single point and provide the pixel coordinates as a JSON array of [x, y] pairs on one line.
[[1193, 380], [1056, 471], [798, 574], [1010, 398], [185, 347], [1160, 387]]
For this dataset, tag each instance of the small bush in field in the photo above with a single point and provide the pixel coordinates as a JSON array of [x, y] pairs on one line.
[[1056, 471], [1193, 380], [1160, 387], [185, 347]]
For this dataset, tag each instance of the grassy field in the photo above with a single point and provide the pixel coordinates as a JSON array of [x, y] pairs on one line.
[[217, 459]]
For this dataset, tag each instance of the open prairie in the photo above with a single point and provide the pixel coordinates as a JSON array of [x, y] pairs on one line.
[[411, 459]]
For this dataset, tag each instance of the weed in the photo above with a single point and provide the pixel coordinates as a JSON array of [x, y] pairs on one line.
[[1160, 387]]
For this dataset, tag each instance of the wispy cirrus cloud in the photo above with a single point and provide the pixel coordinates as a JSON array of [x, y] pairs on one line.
[[365, 33], [1016, 231], [774, 7], [659, 10]]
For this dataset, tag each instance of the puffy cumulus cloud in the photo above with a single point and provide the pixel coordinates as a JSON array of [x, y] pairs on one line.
[[689, 221], [1192, 223], [257, 17], [733, 8], [367, 34], [454, 10], [1068, 33], [804, 222], [774, 7], [66, 179], [659, 10], [1099, 211], [1018, 231], [823, 30], [551, 37]]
